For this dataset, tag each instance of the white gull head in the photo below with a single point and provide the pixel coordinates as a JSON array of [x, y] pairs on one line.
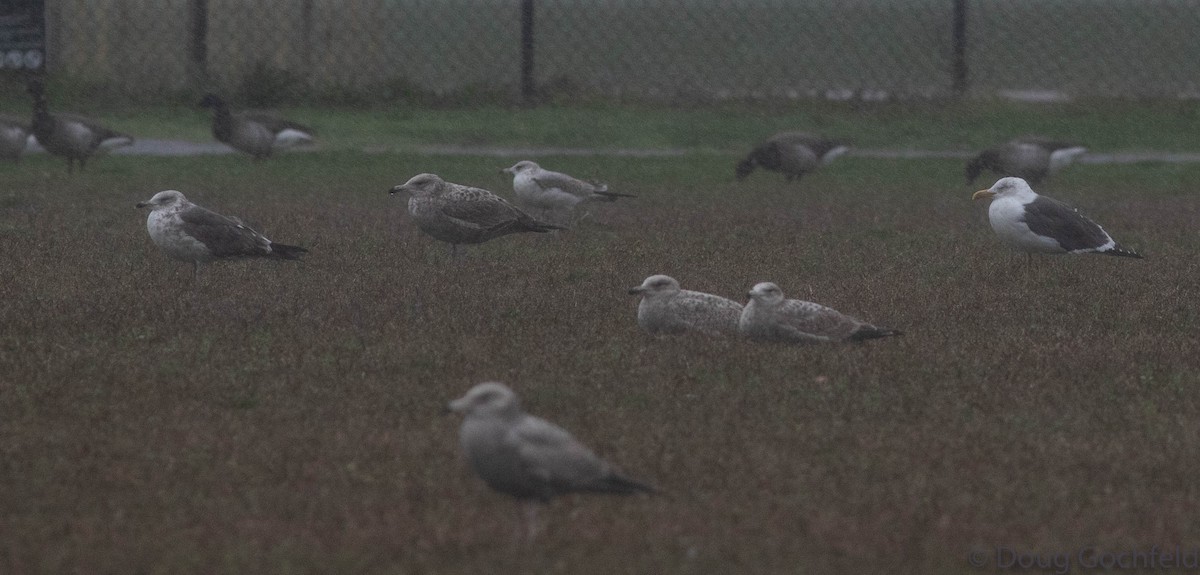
[[164, 200], [766, 293], [656, 285]]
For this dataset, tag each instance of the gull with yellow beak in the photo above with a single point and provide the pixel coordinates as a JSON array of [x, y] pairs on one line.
[[1033, 223]]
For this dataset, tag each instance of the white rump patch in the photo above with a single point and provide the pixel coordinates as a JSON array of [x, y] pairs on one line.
[[116, 143], [1060, 158], [833, 154], [289, 137]]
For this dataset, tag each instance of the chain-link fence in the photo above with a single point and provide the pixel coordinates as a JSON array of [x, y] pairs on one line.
[[471, 51]]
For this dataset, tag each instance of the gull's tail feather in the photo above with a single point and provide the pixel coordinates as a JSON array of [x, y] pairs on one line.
[[871, 332], [608, 196], [535, 225], [1119, 250], [622, 486], [287, 252]]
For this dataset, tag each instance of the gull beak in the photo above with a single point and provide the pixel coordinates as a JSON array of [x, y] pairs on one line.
[[749, 295], [397, 190], [983, 194], [506, 171], [142, 204], [457, 406], [637, 290]]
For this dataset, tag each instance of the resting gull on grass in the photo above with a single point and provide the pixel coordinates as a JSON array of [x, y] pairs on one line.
[[191, 233], [458, 214], [1034, 223], [1033, 158], [770, 317], [792, 153], [529, 458], [667, 309], [549, 191]]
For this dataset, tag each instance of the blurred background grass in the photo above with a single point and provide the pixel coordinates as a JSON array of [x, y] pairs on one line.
[[282, 418]]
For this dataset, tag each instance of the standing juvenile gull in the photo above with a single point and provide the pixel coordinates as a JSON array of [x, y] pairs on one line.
[[1037, 224], [667, 309], [770, 317], [1030, 157], [554, 191], [529, 458], [254, 133], [459, 214], [191, 233], [792, 153]]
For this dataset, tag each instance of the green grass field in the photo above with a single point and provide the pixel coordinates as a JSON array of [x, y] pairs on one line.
[[286, 417]]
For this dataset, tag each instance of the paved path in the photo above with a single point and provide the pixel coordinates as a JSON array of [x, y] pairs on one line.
[[150, 147]]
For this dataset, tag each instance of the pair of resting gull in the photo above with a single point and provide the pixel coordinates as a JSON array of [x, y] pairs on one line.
[[667, 309], [458, 214]]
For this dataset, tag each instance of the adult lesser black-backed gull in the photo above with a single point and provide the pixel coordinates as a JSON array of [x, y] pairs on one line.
[[459, 214], [1033, 158], [549, 191], [529, 458], [667, 309], [72, 137], [191, 233], [255, 133], [792, 153], [770, 317], [1034, 223]]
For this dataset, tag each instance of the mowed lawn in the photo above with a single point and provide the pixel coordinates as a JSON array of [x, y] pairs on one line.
[[282, 417]]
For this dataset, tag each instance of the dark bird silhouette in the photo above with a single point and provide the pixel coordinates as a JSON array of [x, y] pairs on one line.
[[1031, 158], [255, 133], [792, 153], [69, 136]]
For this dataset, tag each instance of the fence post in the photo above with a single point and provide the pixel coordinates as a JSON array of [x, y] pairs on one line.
[[198, 43], [960, 47], [527, 87]]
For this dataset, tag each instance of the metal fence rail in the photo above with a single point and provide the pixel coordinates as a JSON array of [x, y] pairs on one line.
[[471, 51]]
